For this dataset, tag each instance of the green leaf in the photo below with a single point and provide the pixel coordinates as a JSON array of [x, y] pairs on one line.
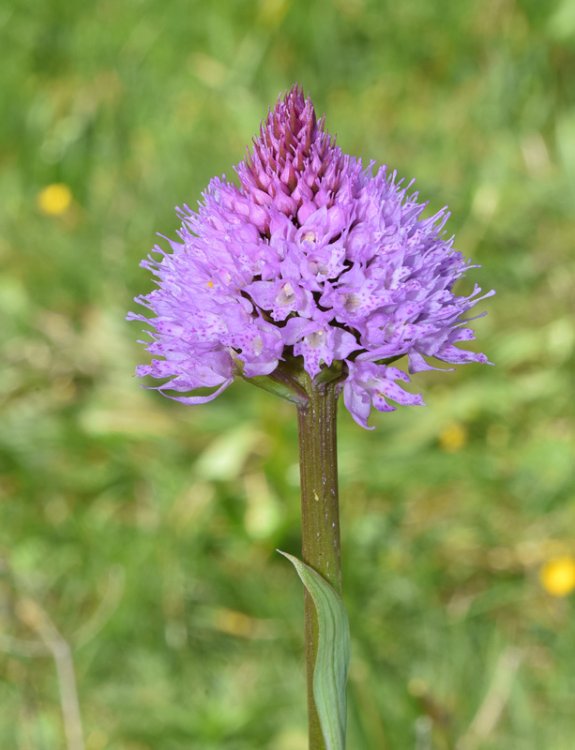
[[330, 671], [291, 392]]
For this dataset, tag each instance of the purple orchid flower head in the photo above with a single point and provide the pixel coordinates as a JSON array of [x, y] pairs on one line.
[[313, 263]]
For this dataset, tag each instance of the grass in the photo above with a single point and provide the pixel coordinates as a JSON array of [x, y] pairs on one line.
[[145, 531]]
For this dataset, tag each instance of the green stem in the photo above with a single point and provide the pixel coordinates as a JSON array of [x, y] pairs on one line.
[[320, 515]]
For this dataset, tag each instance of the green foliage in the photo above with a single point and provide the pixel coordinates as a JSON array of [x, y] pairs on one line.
[[145, 530], [333, 653]]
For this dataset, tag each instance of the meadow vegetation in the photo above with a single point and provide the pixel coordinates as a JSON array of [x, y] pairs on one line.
[[138, 536]]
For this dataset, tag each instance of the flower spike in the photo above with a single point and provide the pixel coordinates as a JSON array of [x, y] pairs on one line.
[[314, 261]]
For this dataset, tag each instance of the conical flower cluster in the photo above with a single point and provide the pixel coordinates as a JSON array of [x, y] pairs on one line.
[[312, 259]]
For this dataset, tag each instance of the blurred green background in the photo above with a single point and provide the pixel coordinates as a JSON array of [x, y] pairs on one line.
[[138, 536]]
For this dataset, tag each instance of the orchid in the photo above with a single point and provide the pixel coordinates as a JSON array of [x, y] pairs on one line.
[[313, 258], [311, 277]]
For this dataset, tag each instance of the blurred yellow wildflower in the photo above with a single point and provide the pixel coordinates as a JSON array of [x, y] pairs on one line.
[[55, 199], [453, 437], [558, 576]]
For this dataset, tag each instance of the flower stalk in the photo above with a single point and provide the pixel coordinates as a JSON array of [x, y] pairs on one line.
[[317, 422]]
